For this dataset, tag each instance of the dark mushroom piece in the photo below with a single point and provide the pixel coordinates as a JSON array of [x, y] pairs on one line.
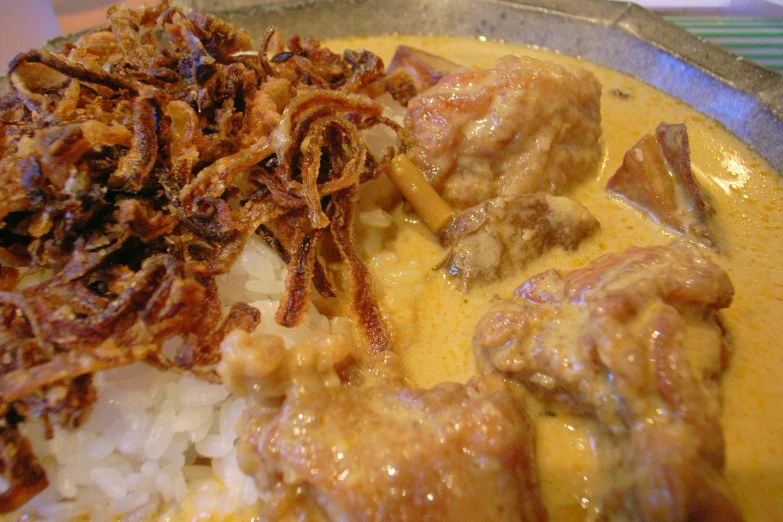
[[656, 177]]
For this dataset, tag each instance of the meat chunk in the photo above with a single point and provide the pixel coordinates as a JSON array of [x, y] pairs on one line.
[[525, 126], [386, 453], [633, 340], [496, 238], [413, 70], [656, 177], [376, 450]]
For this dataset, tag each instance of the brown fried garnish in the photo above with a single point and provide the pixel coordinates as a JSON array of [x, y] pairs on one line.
[[376, 325], [19, 467], [135, 166], [322, 157], [301, 269]]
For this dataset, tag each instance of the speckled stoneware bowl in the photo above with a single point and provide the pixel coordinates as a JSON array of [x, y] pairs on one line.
[[746, 97]]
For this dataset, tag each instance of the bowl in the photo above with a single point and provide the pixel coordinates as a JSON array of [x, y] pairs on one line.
[[746, 97]]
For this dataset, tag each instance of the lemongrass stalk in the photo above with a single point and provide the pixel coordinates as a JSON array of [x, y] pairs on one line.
[[419, 193]]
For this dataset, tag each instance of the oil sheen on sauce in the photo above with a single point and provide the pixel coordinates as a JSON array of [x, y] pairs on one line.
[[435, 322]]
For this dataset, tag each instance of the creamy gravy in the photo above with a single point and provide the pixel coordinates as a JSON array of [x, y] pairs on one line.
[[436, 323]]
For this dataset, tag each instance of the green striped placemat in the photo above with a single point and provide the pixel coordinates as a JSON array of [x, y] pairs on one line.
[[757, 39]]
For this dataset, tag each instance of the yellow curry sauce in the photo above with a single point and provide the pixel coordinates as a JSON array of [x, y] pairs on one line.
[[435, 322]]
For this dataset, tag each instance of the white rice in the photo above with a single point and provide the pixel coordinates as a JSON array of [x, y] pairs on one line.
[[157, 442]]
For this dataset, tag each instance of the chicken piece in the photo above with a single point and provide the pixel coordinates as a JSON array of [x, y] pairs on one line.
[[392, 453], [656, 177], [633, 340], [525, 126], [377, 450], [496, 238]]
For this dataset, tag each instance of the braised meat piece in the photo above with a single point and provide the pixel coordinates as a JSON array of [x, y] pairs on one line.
[[656, 177], [386, 453], [525, 126], [412, 71], [635, 341], [496, 238], [372, 449]]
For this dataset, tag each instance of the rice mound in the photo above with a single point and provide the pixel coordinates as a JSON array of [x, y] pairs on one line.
[[157, 443]]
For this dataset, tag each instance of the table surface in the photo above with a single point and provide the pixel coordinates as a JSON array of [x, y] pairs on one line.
[[754, 38]]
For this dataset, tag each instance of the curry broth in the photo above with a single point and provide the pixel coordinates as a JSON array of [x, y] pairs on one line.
[[436, 323]]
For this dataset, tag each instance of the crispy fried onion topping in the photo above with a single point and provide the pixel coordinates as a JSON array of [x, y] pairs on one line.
[[134, 165]]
